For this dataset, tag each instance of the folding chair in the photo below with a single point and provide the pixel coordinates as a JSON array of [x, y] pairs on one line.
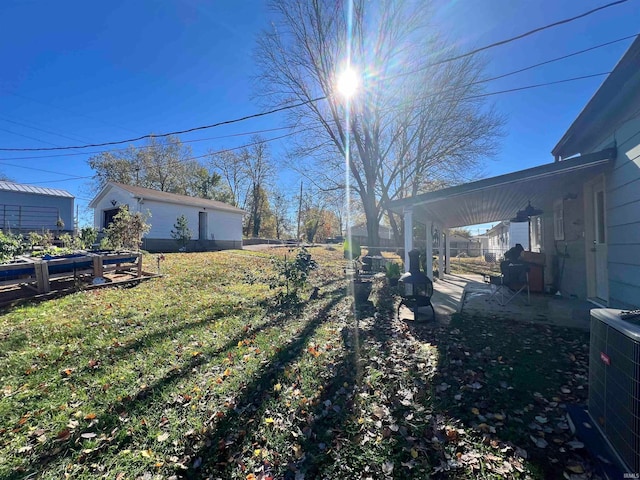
[[513, 281]]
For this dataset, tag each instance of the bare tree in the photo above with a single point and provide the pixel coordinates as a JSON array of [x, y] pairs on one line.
[[414, 120], [231, 167], [162, 164], [259, 170]]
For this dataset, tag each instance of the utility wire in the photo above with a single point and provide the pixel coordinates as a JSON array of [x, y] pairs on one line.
[[512, 39], [288, 107], [530, 67], [563, 57], [178, 132], [75, 139], [185, 159], [142, 147], [528, 87]]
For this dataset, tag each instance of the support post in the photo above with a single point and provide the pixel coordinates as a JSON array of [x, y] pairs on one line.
[[139, 265], [441, 247], [428, 261], [447, 251], [97, 267], [42, 277], [408, 235]]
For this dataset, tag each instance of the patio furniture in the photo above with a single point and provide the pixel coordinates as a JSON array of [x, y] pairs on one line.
[[513, 281]]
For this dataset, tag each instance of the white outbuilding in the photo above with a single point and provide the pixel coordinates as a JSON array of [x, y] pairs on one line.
[[214, 225]]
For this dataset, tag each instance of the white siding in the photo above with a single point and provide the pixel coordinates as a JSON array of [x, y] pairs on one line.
[[623, 217], [221, 225], [623, 203], [519, 233]]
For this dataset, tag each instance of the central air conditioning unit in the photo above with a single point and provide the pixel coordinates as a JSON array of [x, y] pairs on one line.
[[614, 383]]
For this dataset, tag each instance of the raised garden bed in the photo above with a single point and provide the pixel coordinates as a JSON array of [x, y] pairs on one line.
[[27, 277]]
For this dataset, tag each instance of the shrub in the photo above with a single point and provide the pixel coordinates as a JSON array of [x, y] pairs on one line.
[[88, 236], [66, 239], [352, 249], [392, 270], [292, 274], [126, 230], [10, 246], [181, 232]]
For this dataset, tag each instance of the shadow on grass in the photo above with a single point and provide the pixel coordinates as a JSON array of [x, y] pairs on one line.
[[249, 406], [141, 400]]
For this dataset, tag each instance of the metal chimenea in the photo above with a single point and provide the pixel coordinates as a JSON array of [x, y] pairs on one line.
[[415, 287]]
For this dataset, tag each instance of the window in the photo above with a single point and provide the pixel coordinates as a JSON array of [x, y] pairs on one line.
[[558, 220]]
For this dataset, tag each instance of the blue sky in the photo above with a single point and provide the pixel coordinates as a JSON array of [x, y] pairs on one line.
[[79, 72]]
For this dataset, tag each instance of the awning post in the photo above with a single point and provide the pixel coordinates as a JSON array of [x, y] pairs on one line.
[[408, 234], [447, 250], [428, 261], [441, 247]]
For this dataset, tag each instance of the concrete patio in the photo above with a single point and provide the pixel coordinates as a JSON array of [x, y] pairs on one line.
[[469, 294]]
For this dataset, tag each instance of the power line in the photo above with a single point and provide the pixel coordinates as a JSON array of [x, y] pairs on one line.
[[563, 57], [178, 132], [512, 39], [187, 159], [75, 139], [528, 87], [287, 107], [141, 147], [27, 136]]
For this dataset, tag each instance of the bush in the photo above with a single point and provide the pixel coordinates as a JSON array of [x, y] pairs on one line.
[[181, 232], [10, 246], [352, 249], [125, 231], [292, 275], [392, 270], [66, 239], [88, 236]]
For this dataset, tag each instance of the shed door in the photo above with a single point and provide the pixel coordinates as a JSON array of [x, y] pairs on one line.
[[108, 216], [202, 225]]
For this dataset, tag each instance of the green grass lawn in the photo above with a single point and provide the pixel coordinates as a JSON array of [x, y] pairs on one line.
[[199, 374]]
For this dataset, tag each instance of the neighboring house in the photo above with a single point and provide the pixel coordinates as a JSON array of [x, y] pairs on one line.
[[28, 208], [359, 234], [506, 235], [463, 245], [589, 228], [482, 240], [214, 225]]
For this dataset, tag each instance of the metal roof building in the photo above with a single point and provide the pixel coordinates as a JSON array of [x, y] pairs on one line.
[[27, 208]]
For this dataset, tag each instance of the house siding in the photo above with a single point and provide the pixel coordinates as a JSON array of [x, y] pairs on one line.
[[623, 217]]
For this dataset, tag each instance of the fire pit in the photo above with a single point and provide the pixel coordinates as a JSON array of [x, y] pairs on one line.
[[415, 287]]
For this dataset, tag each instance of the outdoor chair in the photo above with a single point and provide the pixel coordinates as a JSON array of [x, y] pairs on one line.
[[512, 282]]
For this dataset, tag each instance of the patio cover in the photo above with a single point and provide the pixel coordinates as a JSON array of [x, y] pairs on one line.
[[499, 198]]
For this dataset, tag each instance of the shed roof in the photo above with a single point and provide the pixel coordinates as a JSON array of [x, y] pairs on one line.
[[23, 188], [157, 195]]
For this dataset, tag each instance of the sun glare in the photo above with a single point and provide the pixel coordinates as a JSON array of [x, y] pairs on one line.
[[348, 82]]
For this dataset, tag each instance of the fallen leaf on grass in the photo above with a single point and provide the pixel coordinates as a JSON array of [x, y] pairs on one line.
[[162, 437]]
